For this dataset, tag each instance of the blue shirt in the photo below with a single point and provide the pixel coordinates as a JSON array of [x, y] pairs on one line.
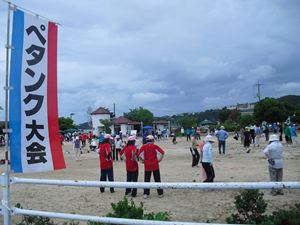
[[222, 135]]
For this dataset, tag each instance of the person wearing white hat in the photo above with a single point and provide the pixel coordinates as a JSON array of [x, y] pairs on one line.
[[128, 153], [274, 154], [77, 147], [222, 135], [151, 154], [106, 162], [118, 147], [207, 161]]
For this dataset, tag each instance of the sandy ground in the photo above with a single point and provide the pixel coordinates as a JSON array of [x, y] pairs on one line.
[[183, 205]]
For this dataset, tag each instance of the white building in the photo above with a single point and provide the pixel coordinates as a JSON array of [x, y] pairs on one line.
[[97, 115], [122, 124]]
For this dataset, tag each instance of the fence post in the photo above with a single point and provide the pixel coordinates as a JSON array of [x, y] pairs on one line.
[[5, 199]]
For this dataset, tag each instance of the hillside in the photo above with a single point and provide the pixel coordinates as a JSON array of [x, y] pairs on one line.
[[292, 99]]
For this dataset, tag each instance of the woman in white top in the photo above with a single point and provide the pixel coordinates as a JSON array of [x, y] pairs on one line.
[[207, 159]]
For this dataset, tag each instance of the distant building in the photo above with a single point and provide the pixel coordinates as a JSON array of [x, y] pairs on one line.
[[100, 114], [244, 108]]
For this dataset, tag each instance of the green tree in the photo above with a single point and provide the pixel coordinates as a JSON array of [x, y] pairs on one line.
[[234, 115], [140, 115], [187, 122], [66, 123], [246, 120], [223, 115], [106, 123], [272, 110]]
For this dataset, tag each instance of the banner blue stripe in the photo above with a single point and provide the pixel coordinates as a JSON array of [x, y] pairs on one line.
[[15, 93]]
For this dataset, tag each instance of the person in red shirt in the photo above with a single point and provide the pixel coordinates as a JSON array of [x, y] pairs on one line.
[[128, 153], [106, 162], [151, 154]]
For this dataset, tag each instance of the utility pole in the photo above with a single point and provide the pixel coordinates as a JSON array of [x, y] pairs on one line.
[[115, 110], [258, 90]]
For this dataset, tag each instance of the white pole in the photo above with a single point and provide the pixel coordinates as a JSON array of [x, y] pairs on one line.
[[116, 184], [6, 183], [109, 220]]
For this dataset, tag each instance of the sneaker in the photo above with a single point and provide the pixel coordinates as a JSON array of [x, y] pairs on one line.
[[248, 151], [146, 196], [160, 196]]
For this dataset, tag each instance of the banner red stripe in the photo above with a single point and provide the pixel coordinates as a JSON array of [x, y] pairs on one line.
[[53, 126]]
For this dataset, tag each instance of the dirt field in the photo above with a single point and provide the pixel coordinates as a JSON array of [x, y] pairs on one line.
[[183, 205]]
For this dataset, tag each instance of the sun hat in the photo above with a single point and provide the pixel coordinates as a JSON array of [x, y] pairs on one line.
[[131, 138], [77, 138], [107, 136], [117, 136], [222, 127], [274, 137], [209, 138], [150, 137]]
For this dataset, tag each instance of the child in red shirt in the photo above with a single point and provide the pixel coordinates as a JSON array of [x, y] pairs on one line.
[[106, 162], [151, 154], [128, 153]]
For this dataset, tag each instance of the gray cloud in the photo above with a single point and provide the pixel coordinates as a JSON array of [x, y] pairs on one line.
[[171, 56]]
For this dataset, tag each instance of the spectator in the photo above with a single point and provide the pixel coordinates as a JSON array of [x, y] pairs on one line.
[[222, 135], [207, 159]]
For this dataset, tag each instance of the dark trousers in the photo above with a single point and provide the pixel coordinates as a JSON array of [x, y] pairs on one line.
[[132, 177], [196, 157], [107, 174], [210, 172], [147, 178], [221, 145], [116, 153], [188, 137]]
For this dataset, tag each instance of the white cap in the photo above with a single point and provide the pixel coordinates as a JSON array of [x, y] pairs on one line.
[[117, 136], [274, 137], [131, 138], [209, 138], [150, 137], [106, 136]]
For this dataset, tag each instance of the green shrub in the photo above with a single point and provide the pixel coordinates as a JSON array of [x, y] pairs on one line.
[[284, 217], [250, 207], [124, 209]]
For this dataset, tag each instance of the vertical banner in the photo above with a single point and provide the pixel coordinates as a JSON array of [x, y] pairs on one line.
[[33, 111]]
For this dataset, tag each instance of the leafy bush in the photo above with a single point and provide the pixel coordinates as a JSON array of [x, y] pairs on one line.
[[250, 206], [124, 209], [284, 217]]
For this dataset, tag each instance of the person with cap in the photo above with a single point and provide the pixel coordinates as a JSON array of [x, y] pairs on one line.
[[129, 154], [106, 161], [222, 135], [247, 139], [77, 148], [118, 147], [151, 154], [274, 154], [207, 160]]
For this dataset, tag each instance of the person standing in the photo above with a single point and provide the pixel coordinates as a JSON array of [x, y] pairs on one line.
[[266, 131], [118, 147], [129, 154], [207, 159], [247, 139], [151, 154], [106, 162], [77, 148], [222, 135], [182, 132], [293, 132], [195, 152], [274, 154], [188, 134], [287, 134], [258, 133]]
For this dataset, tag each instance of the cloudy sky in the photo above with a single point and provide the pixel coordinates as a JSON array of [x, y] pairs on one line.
[[169, 56]]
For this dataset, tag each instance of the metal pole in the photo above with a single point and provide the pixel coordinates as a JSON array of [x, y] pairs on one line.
[[6, 184]]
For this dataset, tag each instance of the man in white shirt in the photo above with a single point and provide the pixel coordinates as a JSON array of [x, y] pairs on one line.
[[274, 154]]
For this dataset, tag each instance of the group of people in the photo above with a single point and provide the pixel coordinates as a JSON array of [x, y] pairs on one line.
[[149, 154]]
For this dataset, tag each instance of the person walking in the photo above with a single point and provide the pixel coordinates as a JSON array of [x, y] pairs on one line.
[[207, 159], [106, 162], [195, 152], [293, 132], [274, 154], [287, 134], [129, 154], [151, 154], [222, 135]]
